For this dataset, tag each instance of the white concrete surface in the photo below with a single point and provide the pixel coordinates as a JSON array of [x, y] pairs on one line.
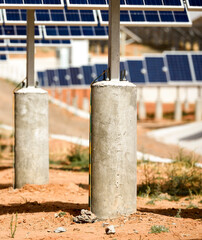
[[187, 136]]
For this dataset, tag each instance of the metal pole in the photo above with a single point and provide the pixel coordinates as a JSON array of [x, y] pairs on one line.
[[30, 49], [114, 40]]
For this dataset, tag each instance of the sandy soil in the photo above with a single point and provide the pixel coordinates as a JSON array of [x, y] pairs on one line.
[[67, 192]]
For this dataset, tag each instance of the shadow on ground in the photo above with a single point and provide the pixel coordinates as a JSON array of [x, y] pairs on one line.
[[171, 212]]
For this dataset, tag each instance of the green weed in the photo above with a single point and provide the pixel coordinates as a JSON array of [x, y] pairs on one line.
[[159, 229], [178, 213], [13, 230]]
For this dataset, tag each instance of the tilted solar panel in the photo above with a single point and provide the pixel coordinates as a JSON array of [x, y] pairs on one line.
[[178, 66], [62, 17], [194, 5], [88, 74], [3, 57], [31, 4], [136, 71], [40, 43], [100, 68], [64, 77], [76, 75], [3, 43], [18, 32], [160, 5], [41, 78], [13, 50], [82, 32], [149, 18], [52, 78], [155, 68], [197, 65]]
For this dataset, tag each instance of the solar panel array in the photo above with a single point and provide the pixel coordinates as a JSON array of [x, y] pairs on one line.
[[40, 43], [194, 5], [3, 57], [166, 68]]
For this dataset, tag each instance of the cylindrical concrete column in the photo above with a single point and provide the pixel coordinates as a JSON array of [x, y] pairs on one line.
[[31, 137], [113, 148], [178, 110]]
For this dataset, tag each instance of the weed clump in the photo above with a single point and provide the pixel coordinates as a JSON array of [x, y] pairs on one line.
[[159, 229]]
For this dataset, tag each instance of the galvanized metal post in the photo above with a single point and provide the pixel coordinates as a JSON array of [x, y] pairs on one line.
[[30, 49], [114, 40]]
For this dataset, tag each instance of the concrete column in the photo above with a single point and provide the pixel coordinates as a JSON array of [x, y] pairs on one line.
[[158, 109], [198, 106], [141, 107], [178, 107], [186, 102], [113, 149], [31, 137]]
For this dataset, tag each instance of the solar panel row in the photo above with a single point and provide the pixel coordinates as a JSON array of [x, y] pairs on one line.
[[164, 68], [11, 50], [42, 43], [3, 57]]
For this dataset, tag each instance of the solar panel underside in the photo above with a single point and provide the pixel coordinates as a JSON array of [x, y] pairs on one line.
[[154, 66], [88, 74], [149, 18], [31, 4], [197, 65], [82, 32], [18, 32], [3, 42], [194, 5], [178, 67], [52, 17], [3, 57], [161, 5], [40, 43]]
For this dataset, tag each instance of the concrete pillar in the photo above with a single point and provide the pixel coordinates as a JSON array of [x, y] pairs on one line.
[[186, 102], [178, 107], [158, 107], [198, 106], [113, 149], [141, 107], [31, 137]]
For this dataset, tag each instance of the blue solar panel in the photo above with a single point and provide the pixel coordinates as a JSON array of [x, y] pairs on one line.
[[197, 65], [52, 17], [89, 75], [12, 50], [42, 43], [135, 68], [128, 4], [178, 67], [67, 32], [32, 4], [3, 42], [3, 57], [52, 77], [64, 77], [18, 32], [76, 76], [155, 69], [149, 18], [194, 5], [100, 68], [41, 79]]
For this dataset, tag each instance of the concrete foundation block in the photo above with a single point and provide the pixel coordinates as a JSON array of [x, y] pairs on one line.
[[113, 149], [31, 137]]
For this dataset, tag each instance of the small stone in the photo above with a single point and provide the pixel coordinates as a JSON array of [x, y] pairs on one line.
[[59, 230], [135, 231], [173, 223], [56, 215], [110, 230], [105, 224], [48, 230], [85, 217]]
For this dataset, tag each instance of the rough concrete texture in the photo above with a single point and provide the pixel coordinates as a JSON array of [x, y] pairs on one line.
[[141, 110], [178, 110], [113, 149], [198, 110], [31, 137], [158, 110]]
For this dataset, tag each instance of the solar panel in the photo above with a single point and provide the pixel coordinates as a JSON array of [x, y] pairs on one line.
[[52, 17], [18, 32], [3, 57], [64, 77], [3, 42], [178, 67], [194, 5], [155, 69], [197, 65], [128, 4], [31, 4], [149, 18], [52, 78], [12, 50], [100, 68], [41, 77], [88, 74], [40, 43], [136, 71], [76, 76], [67, 32]]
